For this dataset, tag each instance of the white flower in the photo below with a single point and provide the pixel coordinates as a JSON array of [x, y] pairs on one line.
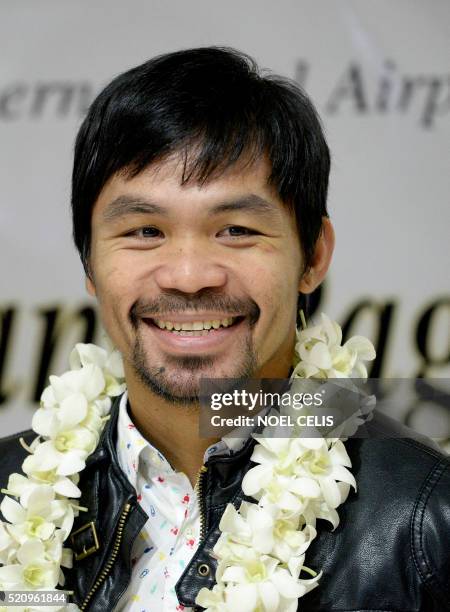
[[89, 381], [267, 530], [66, 453], [37, 515], [322, 356], [111, 364], [327, 467], [278, 478], [73, 412], [213, 600], [260, 583], [33, 519], [87, 354], [31, 571], [18, 484]]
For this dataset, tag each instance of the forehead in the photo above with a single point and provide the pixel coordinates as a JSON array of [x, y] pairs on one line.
[[162, 182]]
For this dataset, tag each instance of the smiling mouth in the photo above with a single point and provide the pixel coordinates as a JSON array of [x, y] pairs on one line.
[[195, 328]]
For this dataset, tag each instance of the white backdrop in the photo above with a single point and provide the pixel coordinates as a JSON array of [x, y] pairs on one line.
[[379, 74]]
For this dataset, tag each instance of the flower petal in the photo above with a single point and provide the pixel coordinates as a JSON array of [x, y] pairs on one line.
[[114, 364], [362, 346], [45, 422], [64, 486], [39, 498], [330, 492], [332, 330], [12, 510], [318, 355], [11, 573], [269, 596], [255, 478], [71, 462], [73, 410], [94, 381], [286, 584], [306, 487], [84, 354], [233, 522], [243, 597]]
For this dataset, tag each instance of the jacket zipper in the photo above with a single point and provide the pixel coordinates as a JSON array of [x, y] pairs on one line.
[[112, 558], [201, 501]]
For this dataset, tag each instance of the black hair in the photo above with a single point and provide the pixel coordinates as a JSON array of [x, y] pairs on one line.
[[214, 106]]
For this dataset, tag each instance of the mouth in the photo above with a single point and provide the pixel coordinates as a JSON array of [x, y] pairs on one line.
[[192, 333], [195, 328]]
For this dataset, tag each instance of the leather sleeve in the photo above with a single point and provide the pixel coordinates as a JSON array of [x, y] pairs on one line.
[[431, 537]]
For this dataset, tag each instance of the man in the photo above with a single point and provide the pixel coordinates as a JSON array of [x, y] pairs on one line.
[[199, 211]]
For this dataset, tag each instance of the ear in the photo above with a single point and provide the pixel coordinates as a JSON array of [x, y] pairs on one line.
[[90, 287], [321, 259]]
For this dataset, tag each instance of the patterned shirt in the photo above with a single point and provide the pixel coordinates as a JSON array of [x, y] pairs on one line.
[[170, 537]]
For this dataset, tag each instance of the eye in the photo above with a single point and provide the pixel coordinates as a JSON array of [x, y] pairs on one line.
[[146, 232], [237, 231]]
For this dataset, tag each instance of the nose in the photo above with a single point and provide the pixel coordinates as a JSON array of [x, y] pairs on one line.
[[190, 267]]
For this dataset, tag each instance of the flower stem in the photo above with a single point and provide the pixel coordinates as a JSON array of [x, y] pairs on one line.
[[83, 508], [25, 445], [309, 571], [302, 318]]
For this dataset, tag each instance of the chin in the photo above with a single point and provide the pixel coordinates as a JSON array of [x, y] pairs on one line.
[[178, 379]]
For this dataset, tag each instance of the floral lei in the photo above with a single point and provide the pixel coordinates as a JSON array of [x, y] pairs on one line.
[[261, 549]]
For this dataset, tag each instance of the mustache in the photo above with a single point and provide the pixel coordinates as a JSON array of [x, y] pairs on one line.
[[169, 303]]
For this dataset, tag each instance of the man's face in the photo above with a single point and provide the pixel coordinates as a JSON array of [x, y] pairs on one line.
[[196, 281]]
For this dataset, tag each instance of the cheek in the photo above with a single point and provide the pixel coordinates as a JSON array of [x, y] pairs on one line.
[[275, 292], [115, 275], [276, 269], [116, 293], [112, 308]]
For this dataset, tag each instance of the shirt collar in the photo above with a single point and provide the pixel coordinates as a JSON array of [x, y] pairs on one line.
[[132, 446]]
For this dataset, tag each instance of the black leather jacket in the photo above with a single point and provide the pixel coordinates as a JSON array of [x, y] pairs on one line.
[[390, 552]]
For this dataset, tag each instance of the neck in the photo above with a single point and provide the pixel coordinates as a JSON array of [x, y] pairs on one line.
[[172, 428]]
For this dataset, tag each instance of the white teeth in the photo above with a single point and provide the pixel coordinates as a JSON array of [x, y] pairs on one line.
[[194, 325], [190, 326]]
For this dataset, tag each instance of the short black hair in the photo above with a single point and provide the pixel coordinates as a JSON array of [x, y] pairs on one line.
[[214, 106]]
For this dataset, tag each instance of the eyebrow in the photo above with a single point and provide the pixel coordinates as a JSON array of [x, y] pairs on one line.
[[248, 203], [131, 205]]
